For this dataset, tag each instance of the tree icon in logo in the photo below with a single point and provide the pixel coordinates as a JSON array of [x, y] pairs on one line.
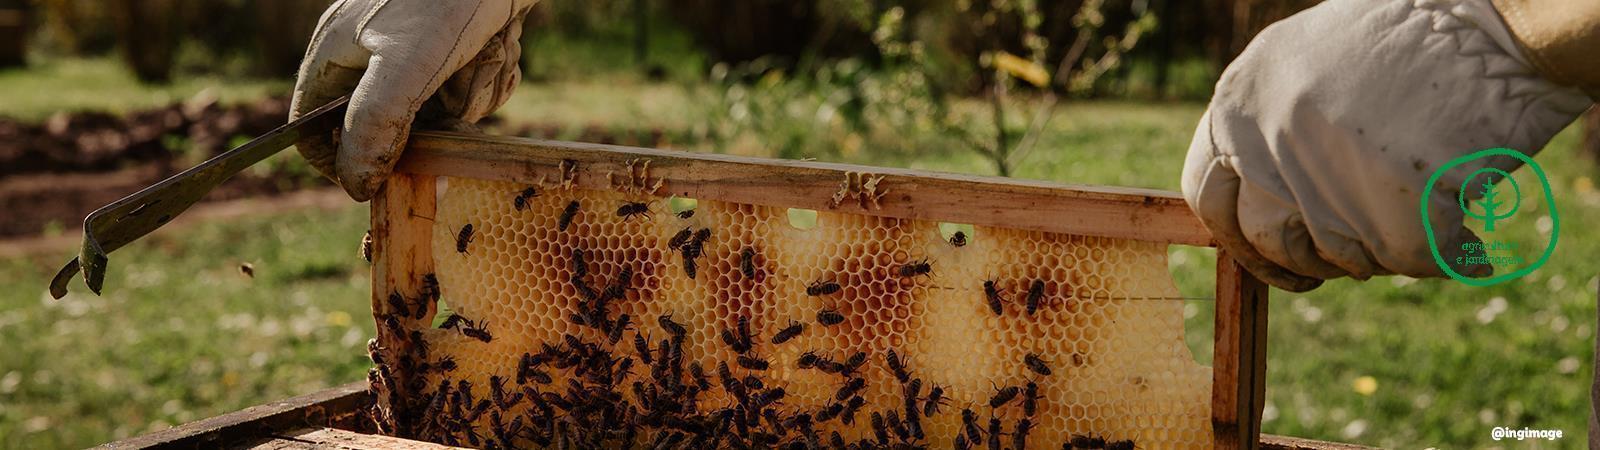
[[1490, 203]]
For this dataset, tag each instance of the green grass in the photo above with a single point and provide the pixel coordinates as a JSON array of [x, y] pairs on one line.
[[182, 335], [104, 84]]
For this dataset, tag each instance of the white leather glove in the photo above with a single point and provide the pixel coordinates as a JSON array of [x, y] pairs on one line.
[[391, 56], [1310, 162]]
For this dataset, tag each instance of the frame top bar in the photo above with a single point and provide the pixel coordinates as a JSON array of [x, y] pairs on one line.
[[1124, 213]]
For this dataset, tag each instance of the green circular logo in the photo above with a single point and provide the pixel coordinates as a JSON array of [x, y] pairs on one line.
[[1493, 208]]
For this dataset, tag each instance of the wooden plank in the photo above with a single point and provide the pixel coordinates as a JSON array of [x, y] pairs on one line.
[[402, 253], [1239, 361], [1141, 214], [272, 443], [350, 440], [1271, 442], [342, 406]]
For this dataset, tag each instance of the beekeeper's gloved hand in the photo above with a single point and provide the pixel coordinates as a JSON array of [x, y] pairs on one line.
[[1312, 158], [391, 56]]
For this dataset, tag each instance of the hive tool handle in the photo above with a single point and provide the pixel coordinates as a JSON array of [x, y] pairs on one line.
[[123, 221]]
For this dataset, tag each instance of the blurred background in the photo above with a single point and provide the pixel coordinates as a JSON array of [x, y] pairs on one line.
[[243, 302]]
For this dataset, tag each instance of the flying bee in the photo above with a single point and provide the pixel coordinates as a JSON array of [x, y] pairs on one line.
[[567, 215], [752, 363], [829, 317], [521, 202], [1030, 399], [850, 388], [1035, 295], [1003, 395], [463, 238], [1036, 364], [673, 328], [633, 209], [479, 332], [935, 399], [820, 287], [898, 365], [788, 332], [747, 262], [959, 239], [686, 214], [1120, 445], [992, 294]]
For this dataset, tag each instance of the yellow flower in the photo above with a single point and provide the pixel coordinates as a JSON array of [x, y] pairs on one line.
[[339, 319], [1366, 385]]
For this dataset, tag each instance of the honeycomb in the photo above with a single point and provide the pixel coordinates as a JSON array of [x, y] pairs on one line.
[[1103, 326]]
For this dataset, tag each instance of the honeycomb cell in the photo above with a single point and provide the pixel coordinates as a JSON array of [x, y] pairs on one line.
[[1103, 322]]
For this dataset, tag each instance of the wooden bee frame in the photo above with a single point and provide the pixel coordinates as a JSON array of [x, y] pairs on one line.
[[402, 223]]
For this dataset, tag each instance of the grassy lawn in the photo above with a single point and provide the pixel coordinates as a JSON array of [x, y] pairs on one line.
[[182, 335], [104, 84]]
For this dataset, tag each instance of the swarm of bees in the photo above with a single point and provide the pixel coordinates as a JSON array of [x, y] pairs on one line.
[[629, 383]]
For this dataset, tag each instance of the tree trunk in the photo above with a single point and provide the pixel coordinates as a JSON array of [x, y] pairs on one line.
[[148, 33], [13, 33], [283, 31]]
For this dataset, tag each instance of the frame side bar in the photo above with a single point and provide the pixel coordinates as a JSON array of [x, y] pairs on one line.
[[1125, 213], [402, 253], [1239, 361]]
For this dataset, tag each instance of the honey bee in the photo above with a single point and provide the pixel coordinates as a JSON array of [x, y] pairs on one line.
[[633, 209], [752, 363], [497, 392], [934, 401], [451, 322], [1019, 436], [747, 262], [969, 423], [787, 333], [567, 215], [398, 305], [673, 328], [480, 332], [690, 268], [850, 388], [678, 240], [463, 238], [642, 347], [1036, 364], [808, 360], [829, 317], [521, 202], [580, 264], [820, 287], [915, 268], [1003, 395], [992, 294], [734, 342], [897, 365], [1088, 441], [1035, 295], [994, 432], [686, 214], [880, 429], [1120, 445], [583, 288], [850, 409], [696, 244], [366, 246], [959, 239], [1030, 399]]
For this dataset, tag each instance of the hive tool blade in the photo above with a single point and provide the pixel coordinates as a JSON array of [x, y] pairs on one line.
[[126, 220]]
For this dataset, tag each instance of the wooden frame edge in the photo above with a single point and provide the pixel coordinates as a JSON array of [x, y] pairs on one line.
[[1127, 213], [1239, 358], [342, 405], [402, 254]]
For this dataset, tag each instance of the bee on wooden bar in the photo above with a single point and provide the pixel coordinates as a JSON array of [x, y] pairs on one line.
[[959, 239], [476, 331], [1035, 295], [897, 365], [633, 209], [1003, 395], [567, 215], [398, 305], [829, 317], [428, 292], [673, 328], [820, 287], [747, 262], [992, 294], [1036, 364], [463, 238], [915, 268], [366, 246], [787, 333], [752, 363], [521, 202]]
